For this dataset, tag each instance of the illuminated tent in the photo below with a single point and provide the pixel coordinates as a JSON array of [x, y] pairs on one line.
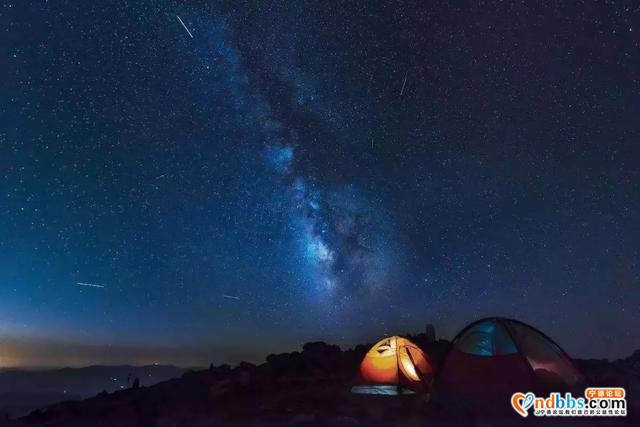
[[496, 357], [393, 366]]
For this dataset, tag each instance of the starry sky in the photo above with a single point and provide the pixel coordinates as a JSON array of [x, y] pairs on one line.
[[236, 178]]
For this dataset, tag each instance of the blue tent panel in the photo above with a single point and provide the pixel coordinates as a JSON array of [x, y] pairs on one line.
[[486, 339]]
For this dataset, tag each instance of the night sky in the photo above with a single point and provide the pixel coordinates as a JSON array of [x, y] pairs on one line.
[[276, 173]]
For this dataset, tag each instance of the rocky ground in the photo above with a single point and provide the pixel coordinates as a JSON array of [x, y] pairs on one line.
[[307, 388]]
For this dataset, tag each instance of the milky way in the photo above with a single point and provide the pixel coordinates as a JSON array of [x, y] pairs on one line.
[[337, 233]]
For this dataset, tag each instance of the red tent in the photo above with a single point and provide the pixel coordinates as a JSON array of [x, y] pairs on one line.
[[495, 357]]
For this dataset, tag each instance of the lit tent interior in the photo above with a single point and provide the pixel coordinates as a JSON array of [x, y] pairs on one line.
[[394, 366]]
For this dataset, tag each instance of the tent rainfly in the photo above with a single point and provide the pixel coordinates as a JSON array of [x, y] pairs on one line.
[[495, 357]]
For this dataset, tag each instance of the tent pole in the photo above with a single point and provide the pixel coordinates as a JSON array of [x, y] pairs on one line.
[[522, 356]]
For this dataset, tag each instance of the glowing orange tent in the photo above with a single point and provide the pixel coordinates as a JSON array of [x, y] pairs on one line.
[[394, 365]]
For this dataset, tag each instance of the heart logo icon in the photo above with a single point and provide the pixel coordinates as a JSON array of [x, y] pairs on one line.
[[528, 400], [522, 402]]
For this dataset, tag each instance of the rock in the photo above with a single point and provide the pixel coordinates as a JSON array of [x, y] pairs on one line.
[[431, 332]]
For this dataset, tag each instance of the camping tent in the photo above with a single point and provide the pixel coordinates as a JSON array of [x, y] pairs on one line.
[[394, 365], [496, 357]]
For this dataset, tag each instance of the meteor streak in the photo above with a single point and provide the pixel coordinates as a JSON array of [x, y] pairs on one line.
[[404, 82], [89, 284], [185, 27]]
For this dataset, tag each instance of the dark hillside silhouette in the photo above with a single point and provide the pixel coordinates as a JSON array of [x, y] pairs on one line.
[[309, 387]]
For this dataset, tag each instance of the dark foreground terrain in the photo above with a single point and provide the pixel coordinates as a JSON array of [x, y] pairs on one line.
[[22, 391], [310, 388]]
